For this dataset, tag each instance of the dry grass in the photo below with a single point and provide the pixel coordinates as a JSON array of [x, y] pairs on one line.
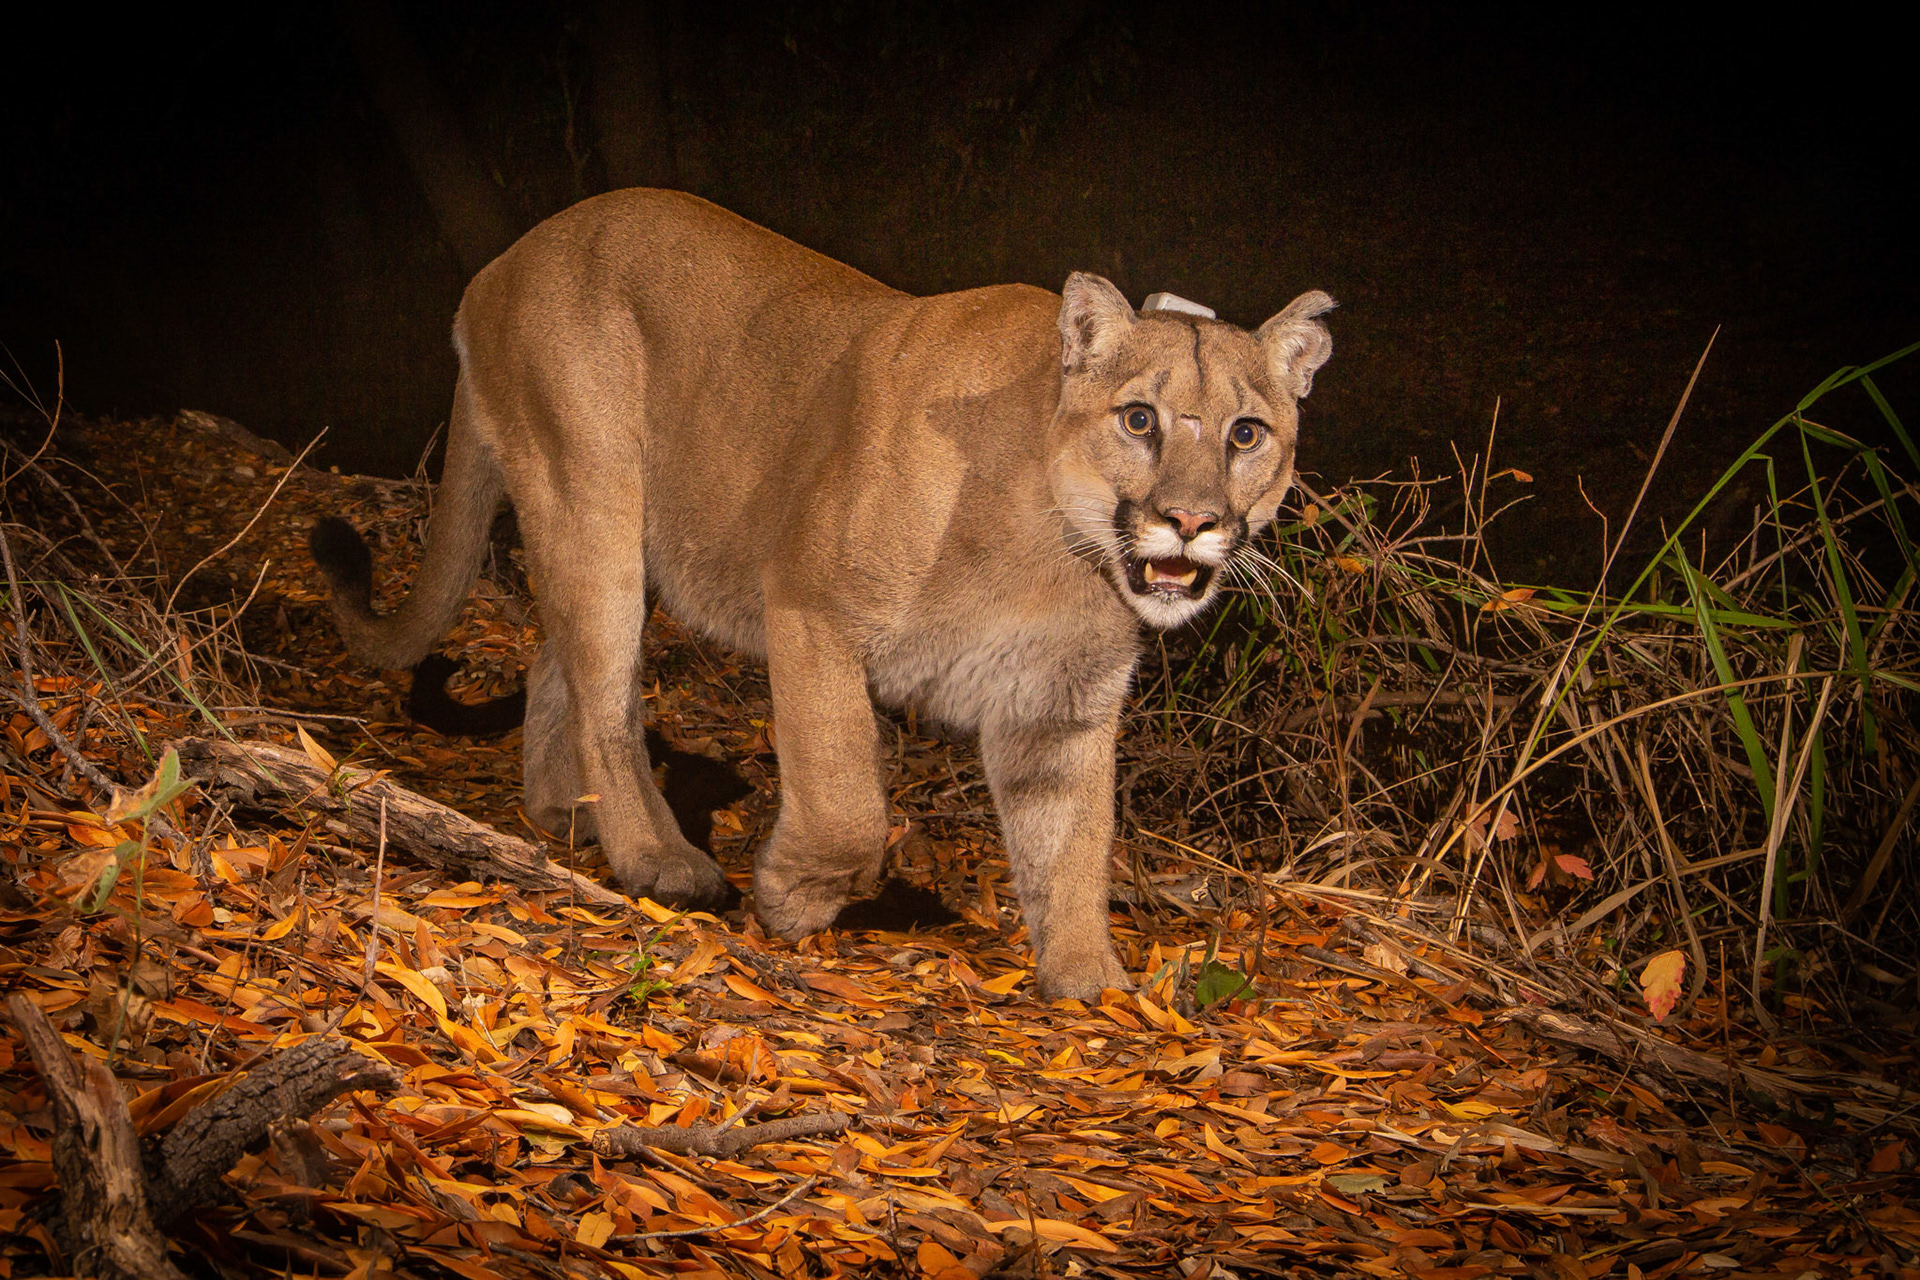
[[95, 633]]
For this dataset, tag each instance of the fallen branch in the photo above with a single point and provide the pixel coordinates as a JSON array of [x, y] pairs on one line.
[[712, 1140], [1625, 1042], [351, 798], [185, 1169]]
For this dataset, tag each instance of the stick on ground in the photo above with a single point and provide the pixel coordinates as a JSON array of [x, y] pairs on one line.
[[186, 1169], [1624, 1042], [710, 1140]]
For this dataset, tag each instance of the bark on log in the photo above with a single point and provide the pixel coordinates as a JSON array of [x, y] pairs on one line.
[[106, 1225], [185, 1169], [349, 798]]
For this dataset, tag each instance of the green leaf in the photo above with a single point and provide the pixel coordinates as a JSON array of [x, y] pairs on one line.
[[1844, 597], [163, 789], [1217, 982]]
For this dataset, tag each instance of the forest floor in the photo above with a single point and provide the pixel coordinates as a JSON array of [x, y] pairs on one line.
[[1382, 1102]]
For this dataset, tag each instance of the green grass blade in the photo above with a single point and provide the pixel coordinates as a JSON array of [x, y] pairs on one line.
[[1893, 420], [1779, 534], [1736, 704], [1883, 484], [186, 691], [1843, 596], [106, 675]]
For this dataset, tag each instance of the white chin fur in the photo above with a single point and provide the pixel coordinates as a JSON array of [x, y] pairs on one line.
[[1162, 613]]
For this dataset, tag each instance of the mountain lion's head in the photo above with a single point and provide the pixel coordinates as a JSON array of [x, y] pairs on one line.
[[1175, 436]]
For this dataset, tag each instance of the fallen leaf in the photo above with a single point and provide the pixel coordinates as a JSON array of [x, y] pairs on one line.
[[1385, 957], [320, 756], [1005, 983], [1065, 1232], [1507, 599], [595, 1228]]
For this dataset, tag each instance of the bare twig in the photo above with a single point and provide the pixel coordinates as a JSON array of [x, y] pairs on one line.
[[230, 543]]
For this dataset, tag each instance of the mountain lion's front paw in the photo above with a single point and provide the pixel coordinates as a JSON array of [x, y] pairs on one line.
[[1081, 976], [794, 906], [692, 881]]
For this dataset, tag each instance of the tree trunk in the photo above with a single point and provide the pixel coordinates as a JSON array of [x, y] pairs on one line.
[[475, 219], [115, 1196], [627, 93]]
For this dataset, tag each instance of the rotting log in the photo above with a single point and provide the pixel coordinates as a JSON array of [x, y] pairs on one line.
[[115, 1194], [349, 800]]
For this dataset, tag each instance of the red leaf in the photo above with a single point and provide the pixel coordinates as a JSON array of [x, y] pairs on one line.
[[1573, 865]]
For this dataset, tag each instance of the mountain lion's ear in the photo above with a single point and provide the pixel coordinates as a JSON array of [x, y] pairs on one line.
[[1297, 344], [1093, 316]]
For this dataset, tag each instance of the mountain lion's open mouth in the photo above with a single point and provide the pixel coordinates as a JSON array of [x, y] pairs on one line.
[[1172, 577]]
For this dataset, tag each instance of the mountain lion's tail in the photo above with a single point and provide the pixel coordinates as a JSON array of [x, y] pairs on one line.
[[456, 545]]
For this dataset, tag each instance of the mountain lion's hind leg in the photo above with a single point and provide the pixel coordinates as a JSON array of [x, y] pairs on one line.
[[593, 602], [550, 759], [830, 839], [1053, 788]]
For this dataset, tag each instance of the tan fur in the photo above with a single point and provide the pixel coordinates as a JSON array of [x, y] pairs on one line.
[[928, 501]]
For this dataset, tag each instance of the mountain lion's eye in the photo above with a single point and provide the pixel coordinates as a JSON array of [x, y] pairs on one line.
[[1139, 420], [1246, 433]]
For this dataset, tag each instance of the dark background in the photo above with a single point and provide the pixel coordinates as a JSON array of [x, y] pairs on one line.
[[231, 211]]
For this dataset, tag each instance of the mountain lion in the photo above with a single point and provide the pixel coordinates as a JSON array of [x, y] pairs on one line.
[[967, 504]]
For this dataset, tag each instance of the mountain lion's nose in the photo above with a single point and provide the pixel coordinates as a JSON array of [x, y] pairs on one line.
[[1191, 523]]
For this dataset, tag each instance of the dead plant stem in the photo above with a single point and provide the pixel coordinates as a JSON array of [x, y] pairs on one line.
[[247, 528], [1785, 801], [1671, 856]]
